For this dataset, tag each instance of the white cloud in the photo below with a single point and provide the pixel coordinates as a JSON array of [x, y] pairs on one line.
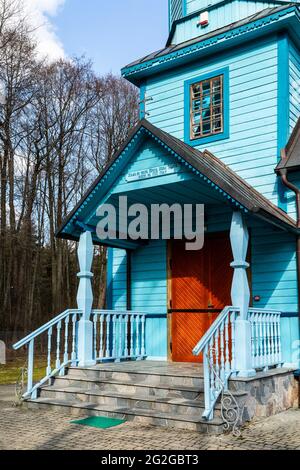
[[39, 14]]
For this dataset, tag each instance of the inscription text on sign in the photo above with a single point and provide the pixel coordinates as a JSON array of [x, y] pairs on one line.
[[151, 173]]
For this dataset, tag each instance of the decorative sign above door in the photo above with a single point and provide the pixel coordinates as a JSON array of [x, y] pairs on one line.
[[151, 173]]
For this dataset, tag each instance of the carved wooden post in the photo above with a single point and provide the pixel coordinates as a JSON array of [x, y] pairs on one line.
[[240, 294], [85, 300]]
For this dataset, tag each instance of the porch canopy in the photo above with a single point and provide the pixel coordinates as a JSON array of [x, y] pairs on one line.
[[154, 167]]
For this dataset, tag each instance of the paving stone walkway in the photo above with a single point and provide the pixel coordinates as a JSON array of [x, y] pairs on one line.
[[35, 429]]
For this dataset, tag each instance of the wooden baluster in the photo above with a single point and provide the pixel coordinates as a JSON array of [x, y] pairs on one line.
[[261, 340], [232, 320], [253, 354], [211, 365], [131, 335], [257, 354], [120, 332], [143, 350], [273, 339], [227, 354], [49, 368], [207, 379], [268, 322], [30, 366], [66, 354], [222, 358], [58, 330], [137, 333], [264, 341], [74, 348], [114, 338], [279, 340], [95, 322], [126, 336], [107, 337], [101, 351], [217, 363]]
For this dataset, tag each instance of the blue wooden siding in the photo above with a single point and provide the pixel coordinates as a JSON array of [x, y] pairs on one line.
[[149, 278], [118, 283], [149, 294], [150, 155], [251, 150], [294, 66], [274, 271], [290, 334], [274, 279], [176, 10], [222, 15], [273, 274], [148, 290]]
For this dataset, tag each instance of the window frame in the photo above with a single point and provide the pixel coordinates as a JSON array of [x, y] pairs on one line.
[[224, 134]]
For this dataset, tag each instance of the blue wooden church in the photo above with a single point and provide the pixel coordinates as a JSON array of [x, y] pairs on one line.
[[219, 110]]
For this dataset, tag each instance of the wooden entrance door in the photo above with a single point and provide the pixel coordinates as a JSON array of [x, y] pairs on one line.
[[200, 289]]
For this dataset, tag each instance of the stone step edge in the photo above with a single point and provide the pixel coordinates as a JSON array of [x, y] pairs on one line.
[[138, 372], [93, 393], [181, 388], [126, 411]]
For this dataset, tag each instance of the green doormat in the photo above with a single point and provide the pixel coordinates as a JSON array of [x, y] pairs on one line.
[[99, 422]]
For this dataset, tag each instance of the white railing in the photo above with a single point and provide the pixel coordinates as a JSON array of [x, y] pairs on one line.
[[218, 349], [118, 335], [59, 332], [265, 338]]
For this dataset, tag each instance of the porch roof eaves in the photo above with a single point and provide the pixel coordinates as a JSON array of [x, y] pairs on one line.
[[207, 166]]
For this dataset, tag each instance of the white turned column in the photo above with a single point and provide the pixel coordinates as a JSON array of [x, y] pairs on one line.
[[240, 294], [85, 300]]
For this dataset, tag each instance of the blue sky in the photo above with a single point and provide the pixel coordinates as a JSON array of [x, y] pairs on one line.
[[112, 33]]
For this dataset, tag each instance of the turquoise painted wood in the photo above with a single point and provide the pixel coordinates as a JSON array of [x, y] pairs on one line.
[[218, 346], [294, 80], [273, 269], [148, 291], [240, 294], [59, 350], [251, 148], [290, 328], [266, 342], [118, 335], [84, 302], [220, 14]]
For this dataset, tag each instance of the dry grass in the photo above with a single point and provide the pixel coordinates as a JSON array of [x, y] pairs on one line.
[[10, 372]]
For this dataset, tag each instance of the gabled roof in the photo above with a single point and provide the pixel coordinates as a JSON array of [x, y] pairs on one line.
[[206, 166], [291, 154], [191, 49]]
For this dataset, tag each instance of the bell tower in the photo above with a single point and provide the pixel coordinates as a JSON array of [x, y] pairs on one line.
[[192, 18]]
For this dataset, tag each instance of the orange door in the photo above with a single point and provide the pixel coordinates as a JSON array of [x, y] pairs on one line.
[[200, 289]]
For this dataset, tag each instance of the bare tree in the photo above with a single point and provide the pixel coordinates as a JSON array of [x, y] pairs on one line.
[[59, 124]]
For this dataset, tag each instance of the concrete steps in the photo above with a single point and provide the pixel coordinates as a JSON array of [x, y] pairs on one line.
[[148, 393], [138, 415], [171, 404]]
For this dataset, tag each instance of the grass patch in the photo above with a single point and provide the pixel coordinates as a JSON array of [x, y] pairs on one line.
[[10, 372]]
